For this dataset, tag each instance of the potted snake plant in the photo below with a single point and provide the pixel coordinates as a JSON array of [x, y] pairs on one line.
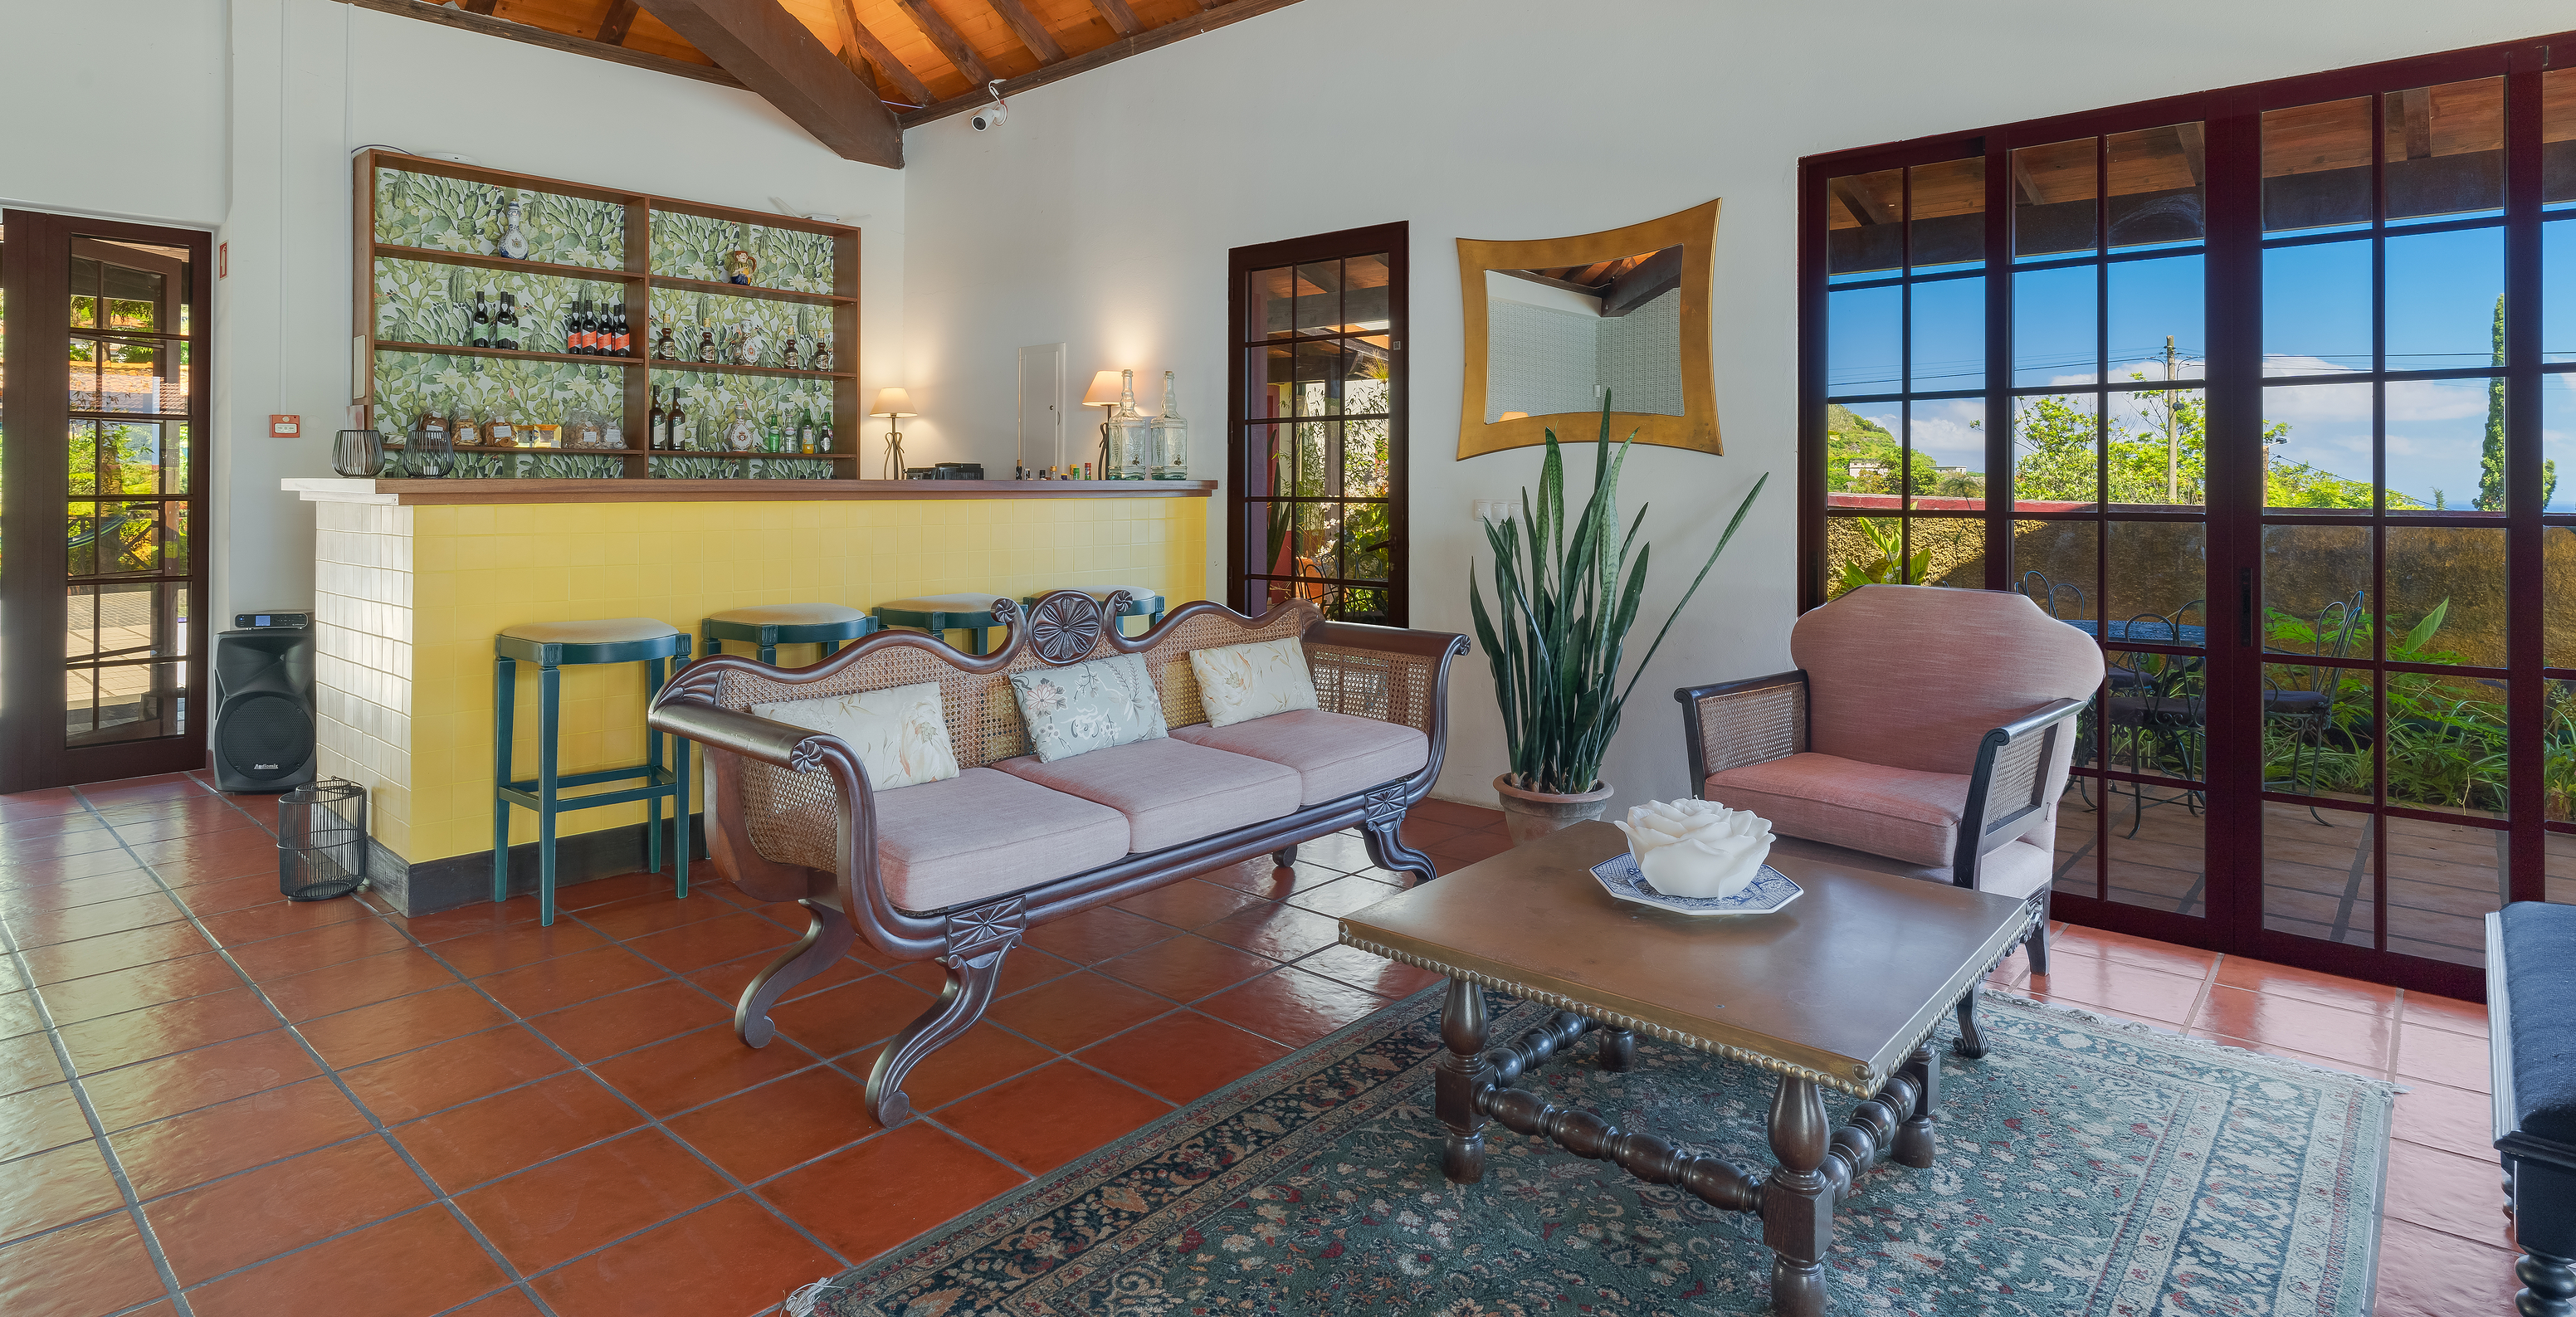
[[1566, 593]]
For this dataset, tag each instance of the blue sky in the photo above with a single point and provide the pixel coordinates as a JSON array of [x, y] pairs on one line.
[[2442, 289]]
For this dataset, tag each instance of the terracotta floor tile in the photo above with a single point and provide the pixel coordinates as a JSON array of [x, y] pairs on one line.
[[510, 946], [733, 1259], [921, 1175], [1050, 1116], [1470, 846], [1096, 935], [231, 894], [256, 849], [465, 1146], [711, 941], [278, 918], [169, 1085], [44, 928], [851, 1016], [55, 1188], [82, 891], [980, 1057], [726, 981], [605, 1026], [73, 817], [319, 948], [2135, 991], [1186, 968], [698, 1067], [435, 1078], [1268, 881], [1188, 903], [2362, 1039], [1292, 1006], [49, 802], [114, 951], [932, 978], [2306, 985], [91, 1269], [2452, 1119], [1183, 1056], [2445, 1191], [1336, 899], [191, 1149], [420, 1263], [2456, 1059], [759, 1132], [1455, 814], [106, 796], [2290, 1053], [551, 984], [27, 1061], [75, 1000], [18, 1014], [633, 917], [186, 873], [625, 887], [355, 1037], [2432, 1012], [1076, 1010], [567, 1207], [1341, 852], [116, 1040], [2425, 1273], [507, 1303], [1281, 932], [350, 984], [42, 873], [480, 917], [1423, 833], [235, 1222], [1360, 969], [1027, 967]]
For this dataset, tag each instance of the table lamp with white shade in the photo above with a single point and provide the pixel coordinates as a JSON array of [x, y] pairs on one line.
[[1103, 395], [892, 403]]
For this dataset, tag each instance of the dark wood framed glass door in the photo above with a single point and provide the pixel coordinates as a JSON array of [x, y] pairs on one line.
[[102, 662], [1315, 436]]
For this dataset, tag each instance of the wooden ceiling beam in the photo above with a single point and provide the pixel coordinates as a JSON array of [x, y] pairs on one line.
[[1642, 282], [620, 16], [2415, 106], [776, 55], [2195, 150], [951, 43], [1179, 29], [483, 7], [537, 36], [1031, 32], [879, 54], [1121, 19]]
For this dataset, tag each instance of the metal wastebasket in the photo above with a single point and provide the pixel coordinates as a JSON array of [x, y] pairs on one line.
[[322, 840]]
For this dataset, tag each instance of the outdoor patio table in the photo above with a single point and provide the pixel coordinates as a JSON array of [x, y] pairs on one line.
[[2147, 633]]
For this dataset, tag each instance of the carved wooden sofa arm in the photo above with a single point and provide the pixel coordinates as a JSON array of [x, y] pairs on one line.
[[792, 815]]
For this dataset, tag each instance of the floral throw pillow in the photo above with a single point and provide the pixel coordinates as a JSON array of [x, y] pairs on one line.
[[1089, 706], [1240, 682], [900, 734]]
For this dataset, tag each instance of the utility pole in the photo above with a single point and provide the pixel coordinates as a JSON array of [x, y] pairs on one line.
[[2173, 453]]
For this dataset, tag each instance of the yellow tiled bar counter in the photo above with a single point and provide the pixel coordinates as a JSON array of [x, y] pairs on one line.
[[413, 578]]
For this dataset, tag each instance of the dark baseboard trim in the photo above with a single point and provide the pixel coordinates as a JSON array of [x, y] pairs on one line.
[[457, 880]]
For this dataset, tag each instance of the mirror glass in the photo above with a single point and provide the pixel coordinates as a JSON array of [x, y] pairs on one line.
[[1557, 337]]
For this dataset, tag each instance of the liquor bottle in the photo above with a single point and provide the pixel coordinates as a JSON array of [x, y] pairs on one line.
[[1170, 438], [706, 342], [590, 344], [805, 434], [823, 353], [623, 346], [823, 434], [679, 422], [505, 326], [663, 347], [653, 433], [572, 329], [482, 321], [1129, 436]]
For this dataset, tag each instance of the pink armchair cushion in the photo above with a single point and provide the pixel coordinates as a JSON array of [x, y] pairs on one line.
[[1169, 791], [1912, 676], [1902, 813], [2016, 869], [982, 834], [1335, 754]]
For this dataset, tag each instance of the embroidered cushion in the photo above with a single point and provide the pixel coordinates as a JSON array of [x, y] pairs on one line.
[[1238, 682], [900, 734], [1089, 706]]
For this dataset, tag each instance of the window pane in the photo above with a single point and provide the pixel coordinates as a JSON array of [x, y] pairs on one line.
[[1318, 472], [2444, 148], [2056, 335], [2558, 289], [1364, 294], [2316, 590], [2446, 300], [1864, 461], [2317, 446], [2155, 185], [2053, 198], [84, 282], [1949, 335], [1369, 390], [2316, 308], [2159, 578], [1273, 309], [2443, 879], [2558, 158], [2316, 735], [2318, 876], [2558, 778], [2057, 564], [1319, 377], [2156, 319], [1865, 341], [2445, 445], [1949, 462], [2056, 452], [1270, 375], [2159, 447], [2446, 595], [2316, 165], [2446, 752], [1949, 213], [1862, 226], [1365, 456], [1319, 303], [1870, 551], [1952, 551]]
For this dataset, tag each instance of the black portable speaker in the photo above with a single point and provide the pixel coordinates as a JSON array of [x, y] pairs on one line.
[[263, 709]]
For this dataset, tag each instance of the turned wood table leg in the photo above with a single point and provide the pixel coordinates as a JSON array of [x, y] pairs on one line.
[[1797, 1201], [1618, 1049], [1461, 1076], [2548, 1286], [1915, 1142]]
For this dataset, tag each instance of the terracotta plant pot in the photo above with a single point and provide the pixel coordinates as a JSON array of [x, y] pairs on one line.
[[1530, 815]]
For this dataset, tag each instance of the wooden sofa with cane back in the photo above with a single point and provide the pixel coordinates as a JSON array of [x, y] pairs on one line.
[[957, 870]]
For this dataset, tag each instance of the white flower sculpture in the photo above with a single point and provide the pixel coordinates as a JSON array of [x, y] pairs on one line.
[[1696, 848]]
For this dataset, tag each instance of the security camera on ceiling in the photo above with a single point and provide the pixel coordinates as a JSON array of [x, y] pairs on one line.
[[991, 116]]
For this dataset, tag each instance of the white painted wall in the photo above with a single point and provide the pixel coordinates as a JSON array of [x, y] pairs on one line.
[[1101, 215]]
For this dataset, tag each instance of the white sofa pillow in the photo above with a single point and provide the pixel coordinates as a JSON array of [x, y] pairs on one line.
[[1240, 682], [900, 733]]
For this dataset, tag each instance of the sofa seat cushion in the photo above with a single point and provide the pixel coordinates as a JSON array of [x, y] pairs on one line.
[[1335, 754], [983, 834], [1902, 813], [2017, 869], [1169, 791], [2540, 985]]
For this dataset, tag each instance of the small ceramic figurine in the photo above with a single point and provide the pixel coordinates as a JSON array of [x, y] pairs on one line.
[[740, 265], [740, 436], [514, 237], [1696, 848]]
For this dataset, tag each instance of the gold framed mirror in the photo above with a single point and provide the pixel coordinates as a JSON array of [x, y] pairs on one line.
[[1554, 322]]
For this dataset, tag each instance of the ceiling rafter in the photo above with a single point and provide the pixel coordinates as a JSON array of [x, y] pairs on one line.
[[951, 43], [1154, 38], [620, 17], [1029, 30], [776, 55], [1121, 19], [893, 69], [548, 38]]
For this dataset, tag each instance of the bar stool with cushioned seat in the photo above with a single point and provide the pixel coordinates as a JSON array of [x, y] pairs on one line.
[[941, 613], [1141, 601], [771, 625], [553, 646]]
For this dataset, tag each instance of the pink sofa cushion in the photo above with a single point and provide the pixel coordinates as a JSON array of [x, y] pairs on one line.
[[1335, 754], [1170, 791], [1913, 676], [983, 834], [1902, 813]]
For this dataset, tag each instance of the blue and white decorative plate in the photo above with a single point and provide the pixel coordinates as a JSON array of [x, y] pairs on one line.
[[1769, 891]]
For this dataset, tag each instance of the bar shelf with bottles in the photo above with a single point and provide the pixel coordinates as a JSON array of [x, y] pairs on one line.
[[592, 279]]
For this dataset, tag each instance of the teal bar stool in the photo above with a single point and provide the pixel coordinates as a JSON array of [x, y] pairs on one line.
[[1141, 602], [942, 613], [770, 625], [553, 646]]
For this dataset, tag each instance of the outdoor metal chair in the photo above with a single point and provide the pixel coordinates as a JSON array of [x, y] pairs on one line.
[[2305, 703]]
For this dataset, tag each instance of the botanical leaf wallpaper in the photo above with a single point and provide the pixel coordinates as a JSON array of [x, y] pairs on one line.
[[420, 302], [713, 400], [693, 247], [768, 325], [449, 214]]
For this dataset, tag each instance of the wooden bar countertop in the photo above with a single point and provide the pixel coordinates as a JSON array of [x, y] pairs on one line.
[[426, 493]]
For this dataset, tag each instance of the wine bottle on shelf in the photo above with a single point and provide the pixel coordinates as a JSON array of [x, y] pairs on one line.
[[505, 326], [823, 433], [572, 328], [482, 321], [590, 345], [617, 315], [653, 427], [805, 433], [679, 422]]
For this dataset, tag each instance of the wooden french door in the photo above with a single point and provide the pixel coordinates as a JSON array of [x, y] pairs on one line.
[[2264, 390], [102, 579]]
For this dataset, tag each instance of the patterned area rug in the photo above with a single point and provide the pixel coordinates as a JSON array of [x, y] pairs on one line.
[[2086, 1167]]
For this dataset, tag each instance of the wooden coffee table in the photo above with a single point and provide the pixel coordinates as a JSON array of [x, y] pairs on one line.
[[1840, 990]]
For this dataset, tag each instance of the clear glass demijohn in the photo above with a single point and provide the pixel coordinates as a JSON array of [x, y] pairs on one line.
[[1130, 435], [1171, 438]]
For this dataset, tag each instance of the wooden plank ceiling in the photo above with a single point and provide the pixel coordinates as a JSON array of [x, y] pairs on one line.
[[925, 59]]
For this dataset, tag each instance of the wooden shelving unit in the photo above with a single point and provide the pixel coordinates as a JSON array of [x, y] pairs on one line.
[[636, 279]]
